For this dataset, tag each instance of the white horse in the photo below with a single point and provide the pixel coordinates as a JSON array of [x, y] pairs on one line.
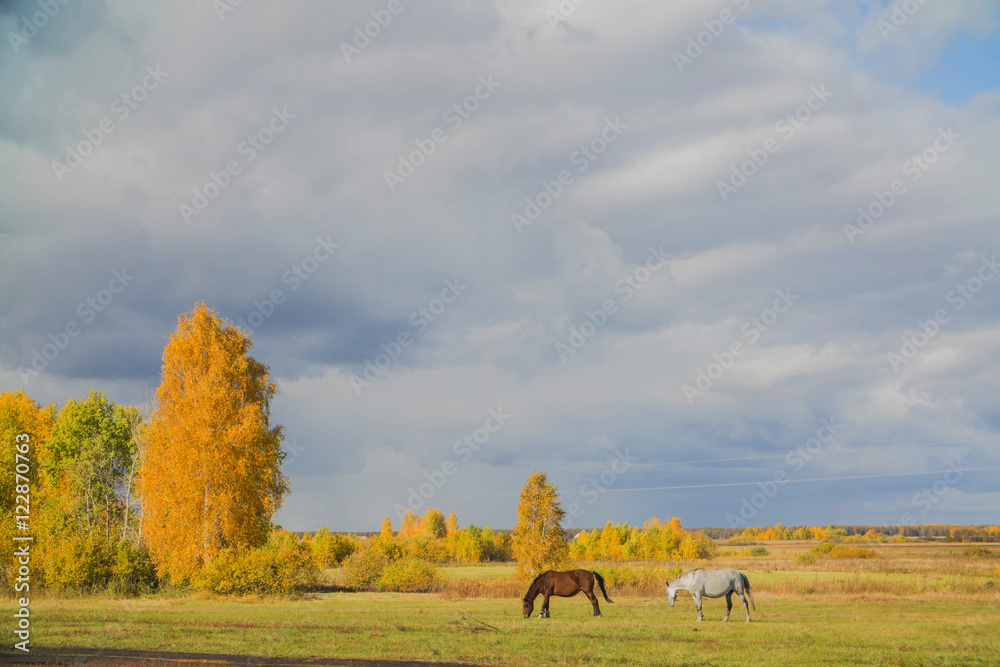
[[712, 584]]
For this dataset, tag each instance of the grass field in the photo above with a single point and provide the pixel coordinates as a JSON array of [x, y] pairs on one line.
[[914, 605]]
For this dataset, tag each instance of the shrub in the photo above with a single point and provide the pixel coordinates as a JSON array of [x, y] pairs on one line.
[[429, 549], [297, 571], [259, 571], [979, 552], [132, 571], [757, 551], [852, 552], [806, 559], [363, 569], [646, 579], [410, 576], [77, 562], [738, 541], [620, 575], [329, 550], [823, 548]]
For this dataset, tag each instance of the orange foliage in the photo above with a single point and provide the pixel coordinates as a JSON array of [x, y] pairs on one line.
[[212, 476]]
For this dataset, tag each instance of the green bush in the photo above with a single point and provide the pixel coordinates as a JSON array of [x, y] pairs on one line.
[[410, 576], [132, 572], [757, 551], [806, 559]]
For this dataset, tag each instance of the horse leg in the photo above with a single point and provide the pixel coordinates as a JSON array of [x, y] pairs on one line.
[[545, 607], [743, 598], [729, 605], [697, 603], [593, 601]]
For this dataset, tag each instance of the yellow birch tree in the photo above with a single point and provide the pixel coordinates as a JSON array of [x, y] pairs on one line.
[[211, 475], [538, 540]]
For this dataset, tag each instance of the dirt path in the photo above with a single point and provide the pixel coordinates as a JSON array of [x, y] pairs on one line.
[[91, 657]]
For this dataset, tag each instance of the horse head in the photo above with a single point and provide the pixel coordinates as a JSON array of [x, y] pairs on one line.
[[671, 594], [528, 607]]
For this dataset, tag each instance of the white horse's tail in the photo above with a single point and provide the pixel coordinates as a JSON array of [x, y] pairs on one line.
[[746, 587]]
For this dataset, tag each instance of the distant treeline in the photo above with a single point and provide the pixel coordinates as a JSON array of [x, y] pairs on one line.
[[941, 531]]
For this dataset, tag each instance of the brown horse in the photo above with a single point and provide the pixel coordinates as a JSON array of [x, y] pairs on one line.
[[563, 584]]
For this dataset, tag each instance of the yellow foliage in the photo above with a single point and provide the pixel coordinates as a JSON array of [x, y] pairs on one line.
[[20, 414], [363, 569], [212, 476], [539, 542], [410, 526], [410, 576], [689, 549], [264, 570]]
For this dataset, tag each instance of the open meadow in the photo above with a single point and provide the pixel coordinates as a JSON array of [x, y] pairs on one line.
[[913, 603]]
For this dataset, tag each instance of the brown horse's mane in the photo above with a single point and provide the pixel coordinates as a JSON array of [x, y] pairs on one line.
[[533, 583]]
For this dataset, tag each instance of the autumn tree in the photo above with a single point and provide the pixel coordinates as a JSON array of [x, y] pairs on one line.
[[387, 532], [538, 539], [432, 526], [212, 465], [91, 461], [20, 416], [451, 525], [409, 526]]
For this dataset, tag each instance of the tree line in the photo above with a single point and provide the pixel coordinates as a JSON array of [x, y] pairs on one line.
[[183, 491]]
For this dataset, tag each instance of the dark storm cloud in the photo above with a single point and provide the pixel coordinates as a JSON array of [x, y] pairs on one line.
[[305, 241]]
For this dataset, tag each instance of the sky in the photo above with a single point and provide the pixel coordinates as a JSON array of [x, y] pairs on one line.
[[730, 261]]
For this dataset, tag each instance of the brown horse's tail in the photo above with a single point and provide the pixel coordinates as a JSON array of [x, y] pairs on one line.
[[746, 587], [600, 582]]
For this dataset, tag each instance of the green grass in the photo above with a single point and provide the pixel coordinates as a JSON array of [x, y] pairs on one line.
[[634, 631]]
